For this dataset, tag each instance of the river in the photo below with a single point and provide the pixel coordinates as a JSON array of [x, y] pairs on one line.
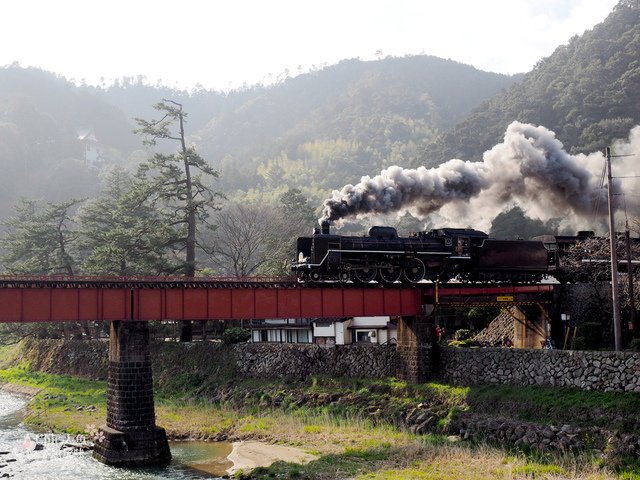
[[19, 459]]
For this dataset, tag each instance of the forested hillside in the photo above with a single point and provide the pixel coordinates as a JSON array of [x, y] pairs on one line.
[[315, 130], [586, 91], [312, 131], [41, 119]]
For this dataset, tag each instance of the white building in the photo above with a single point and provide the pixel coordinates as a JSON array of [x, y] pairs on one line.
[[281, 330], [380, 330], [344, 331]]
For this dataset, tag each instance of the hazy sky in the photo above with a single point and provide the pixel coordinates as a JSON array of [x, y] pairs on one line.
[[221, 44]]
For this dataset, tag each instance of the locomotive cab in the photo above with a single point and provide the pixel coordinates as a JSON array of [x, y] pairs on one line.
[[460, 241], [303, 247]]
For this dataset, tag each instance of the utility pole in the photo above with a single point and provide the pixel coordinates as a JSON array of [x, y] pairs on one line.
[[632, 300], [615, 295]]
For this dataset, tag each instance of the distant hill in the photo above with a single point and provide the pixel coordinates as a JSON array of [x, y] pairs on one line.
[[315, 130], [342, 122], [586, 91], [48, 126]]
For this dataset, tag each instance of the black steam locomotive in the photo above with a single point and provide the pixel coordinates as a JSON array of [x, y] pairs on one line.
[[437, 255]]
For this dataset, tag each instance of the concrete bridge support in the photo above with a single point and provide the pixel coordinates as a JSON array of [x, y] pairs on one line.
[[415, 348], [130, 438]]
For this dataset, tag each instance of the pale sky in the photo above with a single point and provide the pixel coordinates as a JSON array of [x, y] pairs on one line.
[[222, 44]]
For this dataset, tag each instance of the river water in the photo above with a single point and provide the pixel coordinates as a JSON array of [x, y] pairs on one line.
[[19, 459]]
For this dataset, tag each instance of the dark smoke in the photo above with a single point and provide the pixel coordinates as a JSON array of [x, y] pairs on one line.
[[529, 168]]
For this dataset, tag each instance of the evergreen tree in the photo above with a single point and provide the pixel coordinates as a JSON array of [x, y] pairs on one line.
[[179, 180], [123, 233], [40, 239], [295, 206]]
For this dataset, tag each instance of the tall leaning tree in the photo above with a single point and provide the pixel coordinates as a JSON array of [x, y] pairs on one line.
[[180, 181]]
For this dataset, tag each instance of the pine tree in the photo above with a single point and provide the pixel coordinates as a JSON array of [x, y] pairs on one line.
[[124, 233], [180, 180]]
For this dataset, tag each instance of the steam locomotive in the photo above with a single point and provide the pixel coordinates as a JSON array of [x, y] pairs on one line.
[[437, 255]]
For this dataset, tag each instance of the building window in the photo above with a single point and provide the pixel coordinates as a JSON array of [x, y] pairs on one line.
[[303, 336], [264, 336], [362, 336], [274, 335], [298, 336]]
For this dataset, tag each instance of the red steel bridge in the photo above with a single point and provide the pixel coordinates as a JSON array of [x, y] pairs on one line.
[[77, 298]]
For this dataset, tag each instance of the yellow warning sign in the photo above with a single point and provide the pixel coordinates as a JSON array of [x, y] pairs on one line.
[[504, 298]]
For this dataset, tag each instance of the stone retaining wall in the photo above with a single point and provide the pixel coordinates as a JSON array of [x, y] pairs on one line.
[[300, 361], [601, 371], [90, 358]]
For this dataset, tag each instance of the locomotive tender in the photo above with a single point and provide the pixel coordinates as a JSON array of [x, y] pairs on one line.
[[436, 255]]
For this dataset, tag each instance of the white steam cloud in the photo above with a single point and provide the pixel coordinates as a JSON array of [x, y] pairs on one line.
[[529, 169]]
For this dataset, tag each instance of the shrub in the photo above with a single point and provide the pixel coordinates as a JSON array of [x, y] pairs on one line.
[[634, 345], [235, 335], [462, 334], [579, 343]]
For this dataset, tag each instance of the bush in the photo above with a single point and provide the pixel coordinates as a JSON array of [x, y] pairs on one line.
[[470, 342], [579, 343], [462, 334], [593, 334], [235, 335], [634, 345]]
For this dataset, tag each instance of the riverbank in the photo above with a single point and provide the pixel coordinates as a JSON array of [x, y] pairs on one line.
[[362, 428], [248, 455], [25, 390]]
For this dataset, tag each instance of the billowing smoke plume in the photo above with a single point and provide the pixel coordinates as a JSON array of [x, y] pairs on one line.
[[529, 169]]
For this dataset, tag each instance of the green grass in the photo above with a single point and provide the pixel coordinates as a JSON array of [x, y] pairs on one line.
[[559, 405], [347, 464], [73, 389], [61, 404], [539, 470]]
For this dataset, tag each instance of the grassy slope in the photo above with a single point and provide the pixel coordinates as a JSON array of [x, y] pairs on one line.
[[349, 423]]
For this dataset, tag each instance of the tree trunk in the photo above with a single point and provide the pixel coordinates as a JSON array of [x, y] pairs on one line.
[[186, 332]]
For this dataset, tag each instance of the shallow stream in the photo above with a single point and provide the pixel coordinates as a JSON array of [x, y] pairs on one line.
[[19, 457]]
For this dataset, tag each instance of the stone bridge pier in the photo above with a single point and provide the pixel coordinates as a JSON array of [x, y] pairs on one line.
[[415, 348], [130, 438]]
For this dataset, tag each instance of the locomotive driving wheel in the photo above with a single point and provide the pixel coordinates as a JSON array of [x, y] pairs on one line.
[[365, 274], [315, 276], [389, 274], [414, 270]]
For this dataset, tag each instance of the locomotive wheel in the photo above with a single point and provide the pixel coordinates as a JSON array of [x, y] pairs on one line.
[[389, 274], [315, 276], [365, 275], [343, 277], [415, 270]]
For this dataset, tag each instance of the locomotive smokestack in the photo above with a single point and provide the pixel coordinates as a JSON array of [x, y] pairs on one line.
[[324, 225]]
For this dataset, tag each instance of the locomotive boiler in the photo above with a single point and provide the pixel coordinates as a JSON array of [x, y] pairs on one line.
[[437, 255]]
